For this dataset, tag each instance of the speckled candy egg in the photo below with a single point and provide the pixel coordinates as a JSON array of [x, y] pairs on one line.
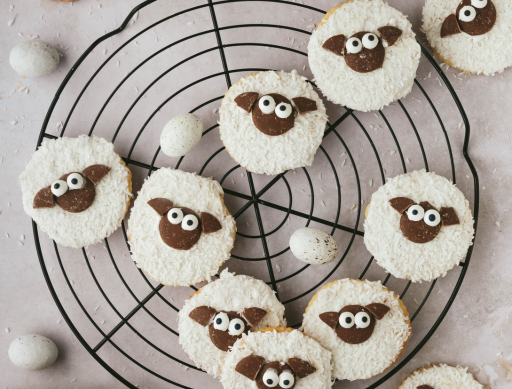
[[34, 58], [32, 352], [181, 134], [313, 246]]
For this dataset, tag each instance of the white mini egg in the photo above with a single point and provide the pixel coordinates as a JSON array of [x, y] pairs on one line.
[[313, 246], [34, 58], [181, 134], [33, 352]]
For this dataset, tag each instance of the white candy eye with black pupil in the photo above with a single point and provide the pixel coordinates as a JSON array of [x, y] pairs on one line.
[[479, 3], [267, 104], [236, 327], [59, 187], [283, 110], [370, 41], [286, 379], [467, 14], [75, 181], [175, 216], [362, 320], [354, 45], [432, 218], [270, 378], [415, 213], [221, 321], [346, 320], [189, 223]]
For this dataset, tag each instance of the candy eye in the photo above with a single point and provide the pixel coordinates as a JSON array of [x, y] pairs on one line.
[[270, 378], [59, 187], [236, 327], [267, 104], [362, 320], [189, 223], [467, 13], [354, 45], [286, 379], [175, 215], [479, 3], [370, 41], [415, 213], [432, 218], [221, 321], [75, 181], [347, 320], [283, 110]]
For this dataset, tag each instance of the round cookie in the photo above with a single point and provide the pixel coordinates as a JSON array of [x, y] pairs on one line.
[[364, 55], [278, 358], [440, 377], [419, 226], [180, 231], [470, 35], [76, 189], [365, 326], [208, 320], [271, 122]]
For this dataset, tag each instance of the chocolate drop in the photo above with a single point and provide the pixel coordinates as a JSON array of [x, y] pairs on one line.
[[254, 315], [95, 172], [335, 44], [300, 367], [250, 366], [449, 217], [43, 198], [401, 204], [304, 105], [450, 26], [379, 310], [202, 315], [160, 205], [390, 34], [210, 223]]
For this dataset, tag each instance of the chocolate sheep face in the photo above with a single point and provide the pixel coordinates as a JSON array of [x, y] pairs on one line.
[[354, 324], [225, 328], [274, 374], [180, 228], [421, 223], [474, 17], [272, 113], [363, 51], [74, 192]]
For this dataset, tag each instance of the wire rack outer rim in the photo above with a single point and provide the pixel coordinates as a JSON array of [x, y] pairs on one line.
[[210, 4]]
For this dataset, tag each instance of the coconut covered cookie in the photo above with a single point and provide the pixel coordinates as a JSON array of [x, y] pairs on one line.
[[419, 226], [364, 55], [180, 231], [76, 189], [281, 358], [364, 325], [470, 35], [441, 377], [220, 313], [271, 122]]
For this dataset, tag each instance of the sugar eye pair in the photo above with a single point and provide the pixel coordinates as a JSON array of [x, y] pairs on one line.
[[468, 12], [74, 181], [234, 327], [188, 222], [268, 105], [431, 217], [360, 319], [355, 45], [272, 379]]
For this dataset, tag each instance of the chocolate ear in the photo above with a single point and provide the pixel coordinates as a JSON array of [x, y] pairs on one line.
[[449, 217], [202, 315], [210, 223], [335, 44], [246, 100], [401, 204], [390, 34], [424, 387], [96, 172], [43, 198], [250, 366], [378, 310], [450, 26], [330, 318], [160, 205], [304, 105], [300, 367], [254, 315]]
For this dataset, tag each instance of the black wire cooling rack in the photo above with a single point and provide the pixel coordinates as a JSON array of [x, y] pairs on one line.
[[129, 295]]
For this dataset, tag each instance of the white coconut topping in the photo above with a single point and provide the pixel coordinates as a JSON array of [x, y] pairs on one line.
[[163, 263], [364, 91], [441, 377], [381, 350], [406, 259], [60, 156], [483, 54], [261, 153], [228, 293], [279, 346]]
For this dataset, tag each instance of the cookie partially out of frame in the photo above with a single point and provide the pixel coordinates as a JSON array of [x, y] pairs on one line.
[[364, 325], [400, 234], [180, 231], [271, 122], [440, 377], [277, 357], [76, 189], [223, 311], [470, 35], [364, 55]]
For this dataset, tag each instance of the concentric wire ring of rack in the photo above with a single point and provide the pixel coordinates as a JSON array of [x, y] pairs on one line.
[[255, 199]]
